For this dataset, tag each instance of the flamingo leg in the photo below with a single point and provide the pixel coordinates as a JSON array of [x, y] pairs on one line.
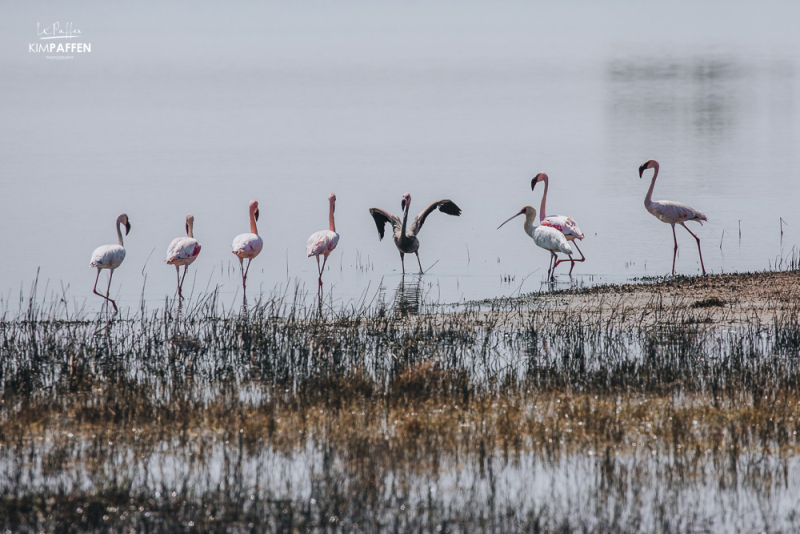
[[675, 252], [419, 263], [244, 274], [403, 262], [108, 291], [572, 261], [180, 286], [95, 286], [319, 270], [178, 275], [247, 270], [324, 261], [698, 247], [568, 258], [557, 261]]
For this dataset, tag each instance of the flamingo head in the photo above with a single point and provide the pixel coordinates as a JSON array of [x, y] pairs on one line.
[[528, 211], [541, 177], [406, 200], [254, 208], [649, 164], [189, 222], [123, 219]]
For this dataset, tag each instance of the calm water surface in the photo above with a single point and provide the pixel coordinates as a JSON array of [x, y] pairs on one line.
[[200, 108]]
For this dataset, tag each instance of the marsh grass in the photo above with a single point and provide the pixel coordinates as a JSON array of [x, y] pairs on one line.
[[394, 415]]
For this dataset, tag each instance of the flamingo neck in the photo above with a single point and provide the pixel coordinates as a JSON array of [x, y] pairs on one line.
[[544, 199], [649, 198], [253, 228], [330, 220], [189, 229], [405, 218], [119, 233]]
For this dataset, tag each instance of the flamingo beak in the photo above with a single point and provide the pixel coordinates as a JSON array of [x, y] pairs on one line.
[[187, 228], [533, 183], [512, 217], [256, 213], [127, 227], [642, 168], [403, 204]]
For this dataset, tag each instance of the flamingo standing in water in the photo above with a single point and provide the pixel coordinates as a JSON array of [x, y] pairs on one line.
[[406, 241], [562, 223], [183, 251], [545, 237], [247, 246], [671, 212], [324, 241], [110, 257]]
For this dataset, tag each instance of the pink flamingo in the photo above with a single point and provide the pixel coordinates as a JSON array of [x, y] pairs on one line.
[[110, 257], [562, 223], [183, 251], [671, 212], [248, 246], [324, 241]]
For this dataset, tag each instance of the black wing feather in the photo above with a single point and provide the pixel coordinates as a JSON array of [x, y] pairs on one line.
[[381, 217], [445, 206]]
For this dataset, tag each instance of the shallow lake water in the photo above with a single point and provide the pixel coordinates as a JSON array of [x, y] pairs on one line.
[[200, 108]]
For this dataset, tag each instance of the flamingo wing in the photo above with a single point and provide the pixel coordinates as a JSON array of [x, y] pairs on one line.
[[675, 212], [247, 245], [445, 206], [107, 257], [381, 217], [563, 224], [182, 248], [321, 242]]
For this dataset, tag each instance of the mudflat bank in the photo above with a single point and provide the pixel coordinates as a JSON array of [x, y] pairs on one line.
[[720, 300]]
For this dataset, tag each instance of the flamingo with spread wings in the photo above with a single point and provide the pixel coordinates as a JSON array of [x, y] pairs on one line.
[[406, 240]]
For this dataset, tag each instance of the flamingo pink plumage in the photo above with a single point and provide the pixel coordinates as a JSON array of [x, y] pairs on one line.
[[183, 251], [564, 224], [248, 246], [671, 212], [324, 241], [110, 257]]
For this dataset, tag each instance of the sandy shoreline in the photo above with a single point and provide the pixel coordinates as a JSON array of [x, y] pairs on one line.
[[724, 299]]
